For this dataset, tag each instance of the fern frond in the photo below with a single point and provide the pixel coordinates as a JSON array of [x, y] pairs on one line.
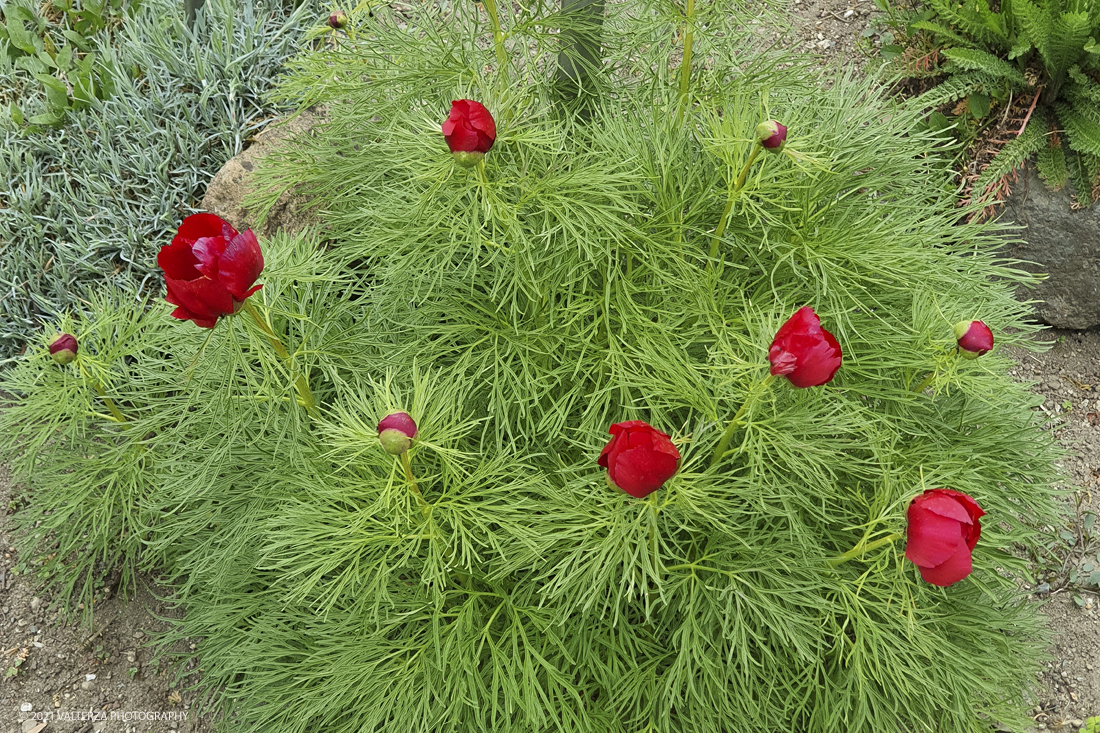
[[942, 33], [1011, 157], [1082, 126], [1051, 162], [971, 59], [954, 88], [972, 19], [1067, 42], [1036, 22], [1021, 45], [1083, 172]]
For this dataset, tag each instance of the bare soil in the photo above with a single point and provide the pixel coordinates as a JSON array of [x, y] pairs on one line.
[[57, 676]]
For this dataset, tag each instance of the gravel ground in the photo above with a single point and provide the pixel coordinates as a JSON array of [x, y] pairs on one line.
[[58, 677]]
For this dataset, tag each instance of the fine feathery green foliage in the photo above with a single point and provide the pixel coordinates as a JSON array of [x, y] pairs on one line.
[[1046, 49], [515, 310], [88, 202]]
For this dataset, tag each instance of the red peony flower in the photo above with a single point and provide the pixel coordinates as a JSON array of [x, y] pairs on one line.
[[396, 432], [470, 131], [639, 459], [63, 348], [803, 351], [943, 528], [209, 269], [771, 135], [974, 338]]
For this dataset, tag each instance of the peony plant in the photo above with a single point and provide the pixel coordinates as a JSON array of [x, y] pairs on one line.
[[382, 479]]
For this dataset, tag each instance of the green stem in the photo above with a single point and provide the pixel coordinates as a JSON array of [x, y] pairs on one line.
[[406, 465], [862, 548], [685, 63], [924, 385], [498, 37], [727, 436], [115, 412], [305, 396], [729, 204]]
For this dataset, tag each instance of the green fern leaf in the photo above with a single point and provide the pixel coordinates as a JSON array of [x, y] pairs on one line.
[[942, 33], [971, 59], [1011, 157], [972, 20], [1082, 127], [1021, 45], [1052, 167], [1067, 42], [954, 88], [1036, 22], [1083, 173]]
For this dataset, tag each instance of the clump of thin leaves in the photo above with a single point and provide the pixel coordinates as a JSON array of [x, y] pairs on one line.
[[87, 204], [515, 312]]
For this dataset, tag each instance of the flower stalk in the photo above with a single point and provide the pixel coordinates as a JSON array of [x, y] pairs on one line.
[[498, 38], [737, 185], [406, 466], [305, 396], [861, 549], [727, 436], [685, 63]]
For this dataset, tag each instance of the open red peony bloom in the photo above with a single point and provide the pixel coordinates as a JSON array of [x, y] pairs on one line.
[[974, 338], [470, 131], [640, 458], [943, 528], [209, 269], [803, 351]]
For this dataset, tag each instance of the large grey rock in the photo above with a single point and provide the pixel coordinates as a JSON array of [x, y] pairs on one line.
[[1063, 243], [237, 179]]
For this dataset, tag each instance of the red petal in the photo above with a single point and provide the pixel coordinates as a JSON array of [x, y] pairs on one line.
[[202, 299], [197, 226], [462, 139], [240, 264], [208, 250], [951, 570], [641, 471], [945, 505], [177, 261], [931, 538], [185, 315]]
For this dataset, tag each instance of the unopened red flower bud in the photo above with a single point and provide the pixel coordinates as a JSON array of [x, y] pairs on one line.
[[338, 21], [470, 131], [974, 338], [396, 432], [63, 349], [771, 135]]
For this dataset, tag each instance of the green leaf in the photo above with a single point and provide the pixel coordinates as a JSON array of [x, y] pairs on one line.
[[1079, 600], [80, 41], [1094, 578], [891, 51], [47, 118], [19, 36], [56, 92], [971, 59], [1088, 521], [1087, 567], [1065, 534], [16, 114], [31, 64], [1051, 162], [1073, 575], [978, 104], [64, 58]]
